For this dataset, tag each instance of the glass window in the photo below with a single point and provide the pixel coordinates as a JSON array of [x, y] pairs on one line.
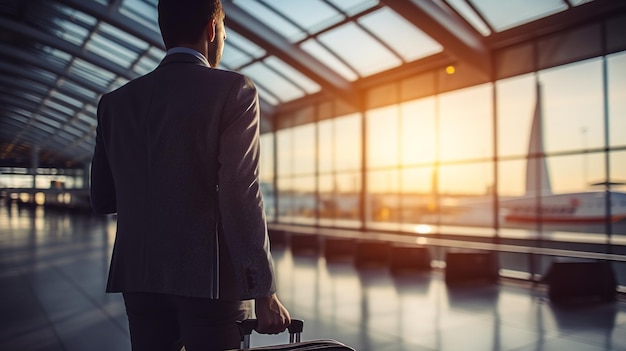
[[339, 199], [419, 202], [327, 201], [383, 137], [285, 197], [465, 124], [618, 196], [418, 132], [303, 154], [516, 108], [284, 142], [572, 106], [325, 146], [617, 99], [511, 178], [304, 200], [347, 143], [266, 160], [383, 200], [465, 198], [576, 173]]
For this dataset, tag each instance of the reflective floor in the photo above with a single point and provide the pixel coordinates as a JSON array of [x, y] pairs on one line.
[[53, 269]]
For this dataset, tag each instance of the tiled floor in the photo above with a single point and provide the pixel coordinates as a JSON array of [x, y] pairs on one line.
[[53, 268]]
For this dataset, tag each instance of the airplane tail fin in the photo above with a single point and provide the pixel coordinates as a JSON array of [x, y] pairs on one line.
[[537, 178]]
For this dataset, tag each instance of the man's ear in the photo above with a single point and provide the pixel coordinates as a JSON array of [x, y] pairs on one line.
[[210, 30]]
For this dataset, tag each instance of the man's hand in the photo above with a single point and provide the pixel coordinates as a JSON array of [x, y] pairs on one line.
[[272, 316]]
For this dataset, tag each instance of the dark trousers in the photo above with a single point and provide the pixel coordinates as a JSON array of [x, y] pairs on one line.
[[167, 322]]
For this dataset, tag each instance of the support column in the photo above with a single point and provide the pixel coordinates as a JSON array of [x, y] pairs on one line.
[[34, 163], [86, 175]]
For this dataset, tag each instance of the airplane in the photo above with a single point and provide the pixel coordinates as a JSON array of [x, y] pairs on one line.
[[540, 204]]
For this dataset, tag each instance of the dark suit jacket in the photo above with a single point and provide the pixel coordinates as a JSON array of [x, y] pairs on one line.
[[176, 157]]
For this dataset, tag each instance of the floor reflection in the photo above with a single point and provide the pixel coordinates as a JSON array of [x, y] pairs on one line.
[[53, 268]]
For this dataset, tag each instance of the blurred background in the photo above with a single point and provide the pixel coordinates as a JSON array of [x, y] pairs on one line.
[[447, 124]]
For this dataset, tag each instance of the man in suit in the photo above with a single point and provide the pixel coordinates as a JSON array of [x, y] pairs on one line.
[[176, 158]]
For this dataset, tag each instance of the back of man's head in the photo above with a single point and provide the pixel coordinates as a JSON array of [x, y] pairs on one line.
[[182, 21]]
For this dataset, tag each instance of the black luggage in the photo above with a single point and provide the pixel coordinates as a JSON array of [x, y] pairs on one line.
[[295, 344]]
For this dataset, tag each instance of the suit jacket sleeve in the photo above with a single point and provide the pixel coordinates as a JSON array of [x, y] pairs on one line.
[[102, 189], [240, 199]]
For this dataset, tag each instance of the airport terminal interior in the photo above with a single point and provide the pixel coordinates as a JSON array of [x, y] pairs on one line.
[[436, 174]]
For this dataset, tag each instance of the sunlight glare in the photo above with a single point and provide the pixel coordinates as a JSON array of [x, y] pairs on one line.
[[423, 229]]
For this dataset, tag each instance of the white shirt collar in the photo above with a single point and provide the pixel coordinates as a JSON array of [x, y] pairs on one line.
[[190, 51]]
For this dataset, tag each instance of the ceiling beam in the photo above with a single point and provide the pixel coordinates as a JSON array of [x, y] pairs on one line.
[[457, 38], [111, 15], [574, 17], [65, 46], [265, 37], [28, 59]]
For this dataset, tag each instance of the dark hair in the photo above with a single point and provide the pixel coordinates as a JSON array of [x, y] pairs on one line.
[[182, 21]]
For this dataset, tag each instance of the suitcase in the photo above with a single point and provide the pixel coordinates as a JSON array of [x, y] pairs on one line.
[[295, 343]]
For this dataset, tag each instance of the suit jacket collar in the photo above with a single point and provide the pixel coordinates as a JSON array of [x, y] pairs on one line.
[[181, 58]]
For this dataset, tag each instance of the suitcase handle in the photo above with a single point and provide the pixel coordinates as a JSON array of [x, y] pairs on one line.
[[248, 325]]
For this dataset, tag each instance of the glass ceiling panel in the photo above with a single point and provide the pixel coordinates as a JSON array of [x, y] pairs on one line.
[[85, 126], [118, 82], [310, 15], [67, 138], [60, 108], [31, 97], [89, 72], [16, 118], [34, 87], [280, 87], [354, 45], [503, 15], [114, 51], [55, 94], [44, 123], [352, 7], [144, 12], [302, 81], [130, 42], [57, 57], [44, 75], [89, 94], [258, 10], [402, 36], [463, 8], [71, 32], [239, 51], [148, 61], [51, 117], [73, 131], [317, 50], [88, 119], [266, 94]]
